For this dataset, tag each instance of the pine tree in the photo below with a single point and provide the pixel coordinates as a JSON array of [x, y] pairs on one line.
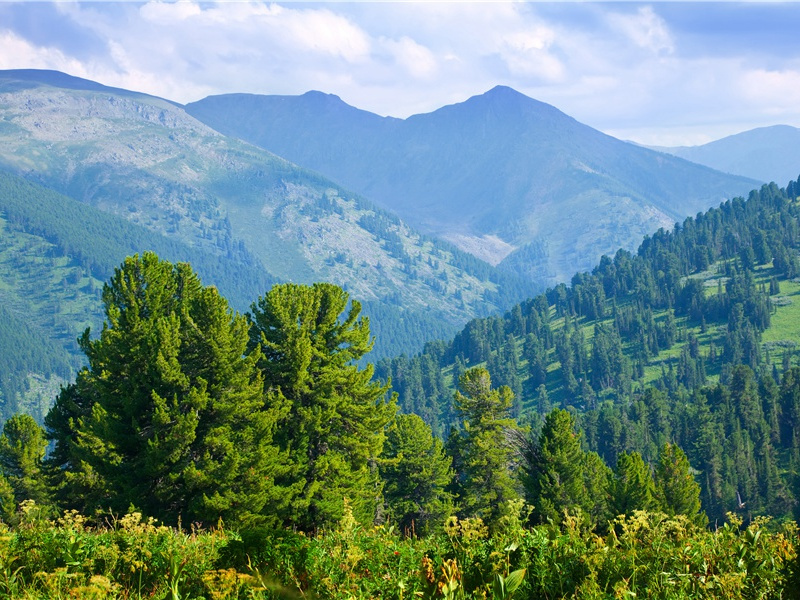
[[631, 487], [556, 477], [487, 464], [22, 451], [676, 490], [169, 416], [334, 428], [416, 473]]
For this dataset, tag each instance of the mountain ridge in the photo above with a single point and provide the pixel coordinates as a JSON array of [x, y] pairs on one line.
[[147, 160], [765, 153], [498, 167]]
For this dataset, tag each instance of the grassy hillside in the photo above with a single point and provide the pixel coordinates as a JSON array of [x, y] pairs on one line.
[[664, 316]]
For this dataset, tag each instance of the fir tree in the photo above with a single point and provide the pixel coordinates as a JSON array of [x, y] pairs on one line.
[[336, 415], [676, 490], [487, 463], [416, 473], [168, 416], [631, 487], [556, 476], [22, 450]]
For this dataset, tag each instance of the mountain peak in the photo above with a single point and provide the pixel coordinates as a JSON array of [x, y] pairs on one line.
[[322, 96], [507, 98], [503, 91]]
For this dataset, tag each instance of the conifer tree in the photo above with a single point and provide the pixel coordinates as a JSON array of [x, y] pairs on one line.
[[560, 476], [487, 464], [169, 415], [676, 490], [416, 473], [336, 415], [631, 487], [22, 450]]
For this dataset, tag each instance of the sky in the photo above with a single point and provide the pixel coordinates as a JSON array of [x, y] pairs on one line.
[[663, 73]]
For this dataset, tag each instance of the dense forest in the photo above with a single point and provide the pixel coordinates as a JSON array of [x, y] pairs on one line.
[[625, 435], [661, 346]]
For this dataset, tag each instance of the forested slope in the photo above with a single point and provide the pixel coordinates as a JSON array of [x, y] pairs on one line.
[[147, 161], [55, 255], [690, 340]]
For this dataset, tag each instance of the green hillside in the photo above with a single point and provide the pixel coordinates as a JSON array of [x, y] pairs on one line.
[[55, 255], [144, 159], [631, 346]]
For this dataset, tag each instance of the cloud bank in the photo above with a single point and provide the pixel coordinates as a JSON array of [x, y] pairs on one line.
[[665, 73]]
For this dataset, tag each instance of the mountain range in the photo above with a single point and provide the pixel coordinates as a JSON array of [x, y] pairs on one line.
[[146, 160], [512, 180], [428, 221], [766, 153]]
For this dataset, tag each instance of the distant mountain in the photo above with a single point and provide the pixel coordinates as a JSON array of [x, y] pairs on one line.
[[767, 154], [505, 177], [146, 160], [21, 79]]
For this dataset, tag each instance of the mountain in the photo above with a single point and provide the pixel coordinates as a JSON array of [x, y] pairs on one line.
[[693, 340], [55, 255], [144, 159], [512, 180], [765, 153]]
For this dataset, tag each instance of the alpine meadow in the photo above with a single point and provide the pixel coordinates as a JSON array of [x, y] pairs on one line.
[[260, 347]]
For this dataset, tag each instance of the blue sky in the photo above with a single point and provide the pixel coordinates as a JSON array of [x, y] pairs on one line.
[[666, 73]]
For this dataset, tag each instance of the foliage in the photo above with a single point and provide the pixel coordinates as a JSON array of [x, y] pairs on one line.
[[416, 473], [560, 477], [486, 466], [644, 555], [169, 415], [333, 430], [659, 346], [676, 490]]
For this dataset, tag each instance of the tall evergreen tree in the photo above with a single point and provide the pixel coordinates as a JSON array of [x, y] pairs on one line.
[[676, 490], [22, 449], [169, 415], [487, 463], [632, 485], [556, 476], [336, 415], [416, 473]]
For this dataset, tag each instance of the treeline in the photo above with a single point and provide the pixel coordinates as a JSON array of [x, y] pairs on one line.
[[630, 349], [190, 412], [511, 286]]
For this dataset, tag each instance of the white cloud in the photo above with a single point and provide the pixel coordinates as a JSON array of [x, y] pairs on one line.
[[527, 53], [417, 60], [644, 28], [777, 92], [614, 66], [12, 47]]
